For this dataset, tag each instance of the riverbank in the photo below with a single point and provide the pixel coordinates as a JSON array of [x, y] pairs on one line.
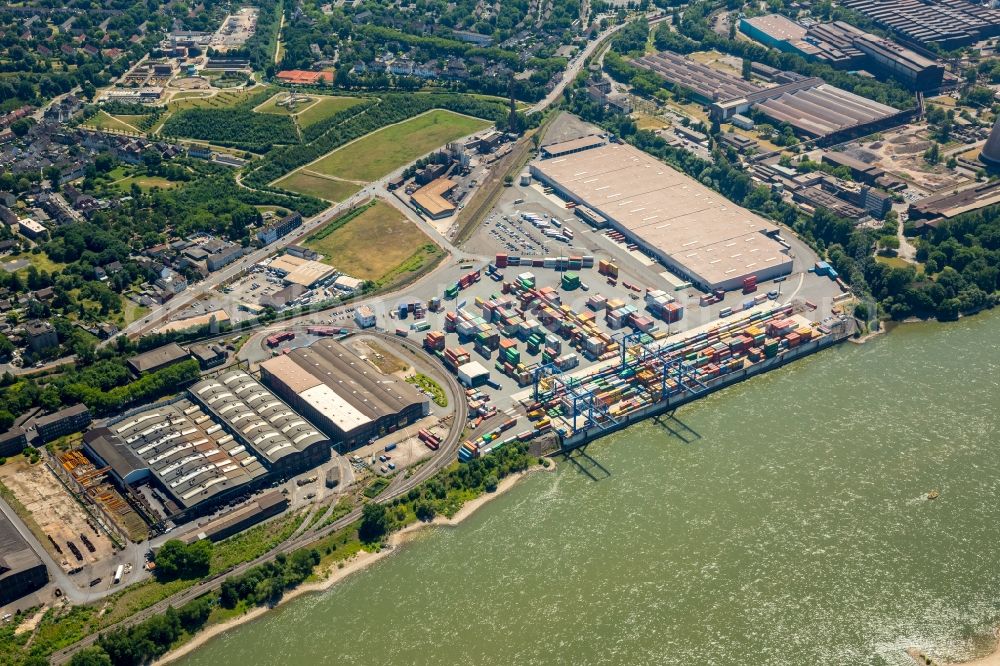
[[991, 659], [359, 562]]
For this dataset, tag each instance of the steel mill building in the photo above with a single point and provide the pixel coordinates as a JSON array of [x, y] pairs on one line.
[[344, 395], [695, 232], [229, 436]]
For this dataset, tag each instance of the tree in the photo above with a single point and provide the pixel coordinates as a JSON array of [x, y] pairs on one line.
[[425, 511], [20, 128], [375, 523], [747, 65], [90, 656], [888, 244], [490, 483], [177, 560], [933, 154]]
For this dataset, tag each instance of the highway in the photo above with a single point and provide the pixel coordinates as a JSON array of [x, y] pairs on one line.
[[444, 457]]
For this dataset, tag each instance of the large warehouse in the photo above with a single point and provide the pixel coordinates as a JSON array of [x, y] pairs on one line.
[[344, 395], [191, 459], [946, 23], [285, 442], [697, 233], [810, 105], [843, 45]]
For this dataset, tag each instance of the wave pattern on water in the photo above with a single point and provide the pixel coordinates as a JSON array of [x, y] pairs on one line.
[[794, 529]]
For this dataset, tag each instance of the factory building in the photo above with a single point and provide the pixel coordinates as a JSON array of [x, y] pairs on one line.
[[21, 569], [809, 105], [843, 45], [572, 146], [947, 23], [698, 234], [187, 456], [946, 205], [284, 442], [431, 198], [707, 83], [157, 359], [345, 396], [241, 518], [305, 272]]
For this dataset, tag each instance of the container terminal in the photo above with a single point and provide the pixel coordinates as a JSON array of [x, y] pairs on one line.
[[636, 374]]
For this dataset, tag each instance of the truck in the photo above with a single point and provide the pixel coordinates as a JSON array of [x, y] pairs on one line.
[[118, 574]]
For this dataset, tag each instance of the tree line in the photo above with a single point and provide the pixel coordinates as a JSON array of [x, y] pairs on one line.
[[236, 125]]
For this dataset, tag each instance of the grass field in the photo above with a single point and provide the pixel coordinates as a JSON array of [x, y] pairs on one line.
[[325, 108], [899, 262], [304, 182], [378, 153], [319, 107], [219, 101], [40, 261], [402, 246], [103, 121], [145, 183]]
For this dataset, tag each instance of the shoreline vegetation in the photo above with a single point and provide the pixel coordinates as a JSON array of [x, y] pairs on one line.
[[358, 562]]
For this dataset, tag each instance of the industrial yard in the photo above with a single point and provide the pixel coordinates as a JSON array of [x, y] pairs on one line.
[[68, 533]]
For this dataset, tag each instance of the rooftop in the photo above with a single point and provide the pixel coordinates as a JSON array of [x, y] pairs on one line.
[[266, 422], [340, 385], [15, 553], [191, 455], [950, 204], [67, 412], [297, 270], [157, 358], [705, 81], [219, 316], [582, 143], [693, 225], [430, 197]]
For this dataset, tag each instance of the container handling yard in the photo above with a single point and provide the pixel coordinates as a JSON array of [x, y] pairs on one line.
[[609, 298], [630, 376]]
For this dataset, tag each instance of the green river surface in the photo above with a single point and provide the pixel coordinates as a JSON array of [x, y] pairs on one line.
[[790, 525]]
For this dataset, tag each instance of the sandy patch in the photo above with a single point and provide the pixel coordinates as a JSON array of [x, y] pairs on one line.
[[357, 563]]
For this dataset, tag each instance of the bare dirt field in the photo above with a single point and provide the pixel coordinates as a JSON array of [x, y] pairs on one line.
[[56, 512]]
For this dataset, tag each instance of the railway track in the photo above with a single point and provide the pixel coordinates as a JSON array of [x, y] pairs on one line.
[[447, 454]]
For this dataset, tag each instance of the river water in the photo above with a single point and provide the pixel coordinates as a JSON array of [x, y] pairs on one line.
[[785, 522]]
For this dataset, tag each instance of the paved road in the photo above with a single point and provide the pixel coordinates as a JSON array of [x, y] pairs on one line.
[[449, 448], [577, 63], [444, 457]]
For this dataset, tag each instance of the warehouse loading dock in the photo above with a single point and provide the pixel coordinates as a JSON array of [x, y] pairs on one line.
[[693, 231]]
